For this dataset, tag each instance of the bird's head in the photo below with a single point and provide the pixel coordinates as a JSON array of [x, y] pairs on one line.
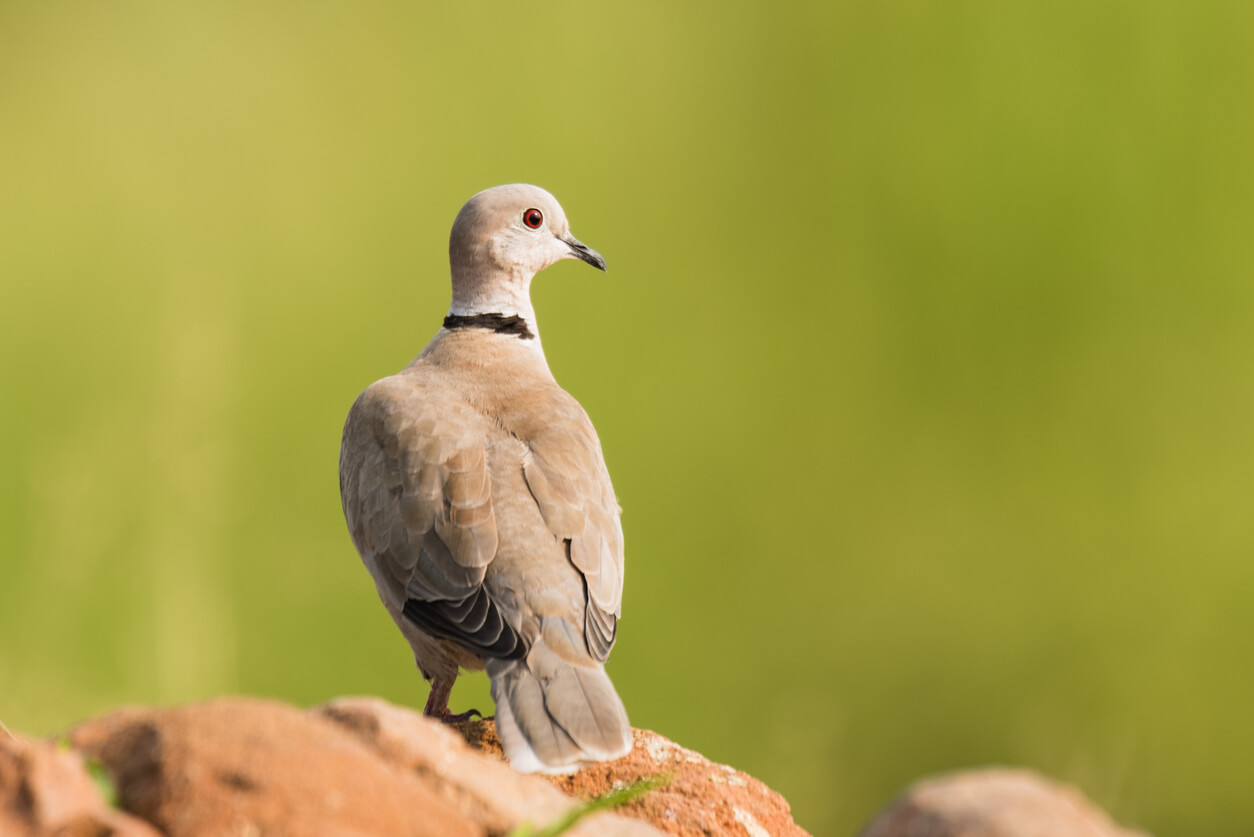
[[515, 230]]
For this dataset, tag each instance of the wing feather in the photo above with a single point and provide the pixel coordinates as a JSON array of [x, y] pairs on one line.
[[567, 476], [418, 500]]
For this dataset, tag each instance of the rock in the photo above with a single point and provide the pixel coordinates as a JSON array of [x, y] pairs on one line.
[[484, 788], [252, 767], [46, 790], [360, 766], [702, 799], [996, 802]]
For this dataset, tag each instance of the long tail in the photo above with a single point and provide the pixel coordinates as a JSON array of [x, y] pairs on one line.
[[553, 716]]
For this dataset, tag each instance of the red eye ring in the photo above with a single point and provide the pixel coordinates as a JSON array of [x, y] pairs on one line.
[[533, 218]]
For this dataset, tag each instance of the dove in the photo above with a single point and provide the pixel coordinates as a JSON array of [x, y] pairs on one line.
[[477, 495]]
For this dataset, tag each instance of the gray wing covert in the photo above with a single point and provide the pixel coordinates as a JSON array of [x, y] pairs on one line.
[[418, 501], [567, 476]]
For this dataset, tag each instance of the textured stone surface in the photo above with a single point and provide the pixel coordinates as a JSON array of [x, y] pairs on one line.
[[354, 767], [361, 766], [46, 790], [702, 799], [235, 766], [996, 802], [483, 787]]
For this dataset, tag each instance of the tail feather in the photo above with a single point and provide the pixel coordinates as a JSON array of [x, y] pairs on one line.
[[552, 715]]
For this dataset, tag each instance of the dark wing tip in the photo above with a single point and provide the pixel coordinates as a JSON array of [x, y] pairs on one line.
[[475, 623]]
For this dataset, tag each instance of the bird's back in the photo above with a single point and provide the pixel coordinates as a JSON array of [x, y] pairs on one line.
[[471, 467]]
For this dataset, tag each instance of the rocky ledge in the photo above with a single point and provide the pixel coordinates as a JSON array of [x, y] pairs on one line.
[[358, 767], [351, 768]]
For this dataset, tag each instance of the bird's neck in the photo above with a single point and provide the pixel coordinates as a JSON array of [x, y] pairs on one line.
[[500, 303]]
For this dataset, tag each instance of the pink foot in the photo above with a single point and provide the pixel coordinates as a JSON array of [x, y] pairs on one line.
[[437, 705]]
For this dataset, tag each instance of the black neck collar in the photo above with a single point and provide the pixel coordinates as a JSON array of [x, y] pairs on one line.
[[500, 323]]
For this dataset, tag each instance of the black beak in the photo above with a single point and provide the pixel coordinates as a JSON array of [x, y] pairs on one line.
[[584, 252]]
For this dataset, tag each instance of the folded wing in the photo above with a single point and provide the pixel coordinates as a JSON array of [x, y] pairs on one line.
[[566, 474], [418, 499]]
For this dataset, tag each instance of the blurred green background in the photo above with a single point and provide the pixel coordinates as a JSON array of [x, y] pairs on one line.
[[923, 366]]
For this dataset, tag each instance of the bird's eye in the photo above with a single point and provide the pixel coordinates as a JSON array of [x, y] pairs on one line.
[[533, 218]]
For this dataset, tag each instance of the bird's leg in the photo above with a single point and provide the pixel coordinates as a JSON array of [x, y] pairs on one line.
[[437, 704]]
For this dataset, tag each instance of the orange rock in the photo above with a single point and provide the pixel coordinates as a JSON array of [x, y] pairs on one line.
[[46, 790], [360, 766], [702, 799], [483, 787], [235, 766]]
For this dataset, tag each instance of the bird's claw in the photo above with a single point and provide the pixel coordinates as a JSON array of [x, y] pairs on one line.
[[460, 717]]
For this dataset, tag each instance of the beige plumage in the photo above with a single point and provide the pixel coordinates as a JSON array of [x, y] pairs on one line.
[[477, 495]]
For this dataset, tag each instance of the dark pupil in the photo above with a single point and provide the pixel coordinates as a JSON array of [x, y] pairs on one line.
[[533, 218]]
